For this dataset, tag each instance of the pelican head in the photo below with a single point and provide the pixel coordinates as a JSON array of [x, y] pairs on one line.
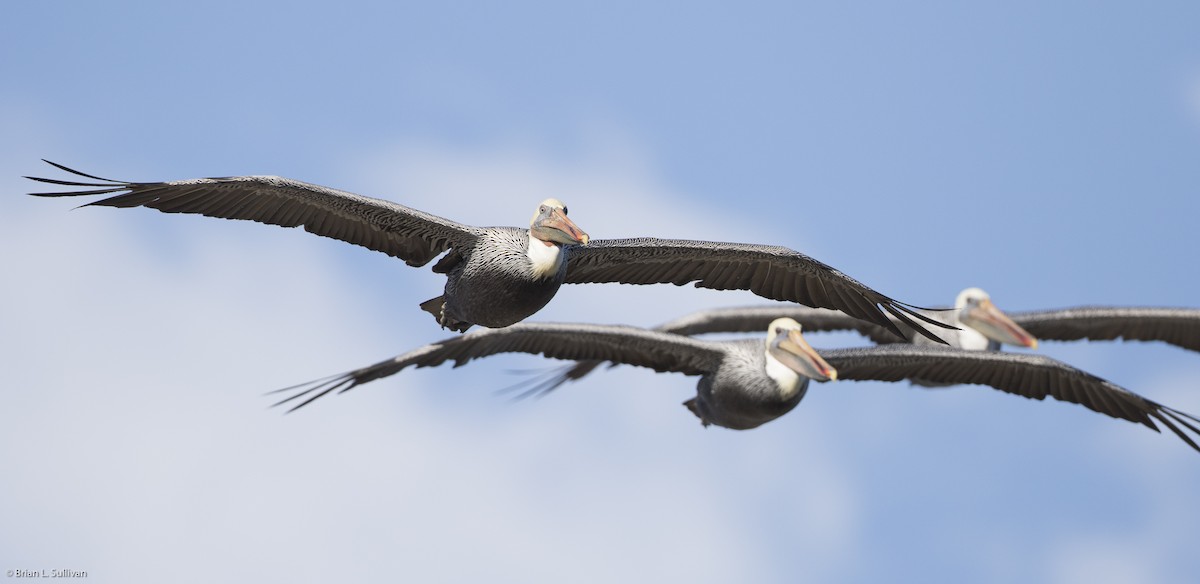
[[788, 347], [977, 311], [551, 225]]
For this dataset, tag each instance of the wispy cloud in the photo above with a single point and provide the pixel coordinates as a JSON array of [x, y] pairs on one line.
[[135, 378], [134, 373]]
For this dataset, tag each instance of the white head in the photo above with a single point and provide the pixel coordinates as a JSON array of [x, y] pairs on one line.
[[551, 225], [970, 295], [975, 310], [549, 230], [786, 346]]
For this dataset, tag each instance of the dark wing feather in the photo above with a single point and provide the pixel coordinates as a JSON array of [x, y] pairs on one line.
[[755, 319], [1177, 326], [394, 229], [772, 272], [1031, 376], [619, 344]]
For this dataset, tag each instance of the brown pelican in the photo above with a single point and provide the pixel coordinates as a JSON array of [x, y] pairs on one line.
[[497, 276], [1175, 326], [979, 325], [746, 383], [982, 327]]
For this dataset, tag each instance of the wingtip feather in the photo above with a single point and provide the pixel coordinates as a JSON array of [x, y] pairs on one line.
[[76, 172]]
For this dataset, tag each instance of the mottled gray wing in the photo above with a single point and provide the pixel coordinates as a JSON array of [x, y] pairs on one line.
[[1031, 376], [772, 272], [1177, 326], [620, 344], [394, 229], [755, 319]]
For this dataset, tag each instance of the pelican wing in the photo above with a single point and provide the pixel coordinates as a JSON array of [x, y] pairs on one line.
[[1031, 376], [394, 229], [772, 272], [1177, 326], [755, 319], [620, 344]]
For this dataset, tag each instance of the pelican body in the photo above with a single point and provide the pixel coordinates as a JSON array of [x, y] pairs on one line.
[[746, 383], [497, 276], [508, 275], [752, 386], [493, 288]]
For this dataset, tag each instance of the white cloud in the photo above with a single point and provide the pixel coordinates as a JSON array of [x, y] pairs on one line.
[[142, 450]]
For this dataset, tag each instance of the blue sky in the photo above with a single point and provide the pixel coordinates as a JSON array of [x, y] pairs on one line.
[[1045, 153]]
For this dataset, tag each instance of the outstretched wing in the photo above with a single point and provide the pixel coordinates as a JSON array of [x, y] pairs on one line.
[[396, 230], [772, 272], [1177, 326], [620, 344], [1031, 376]]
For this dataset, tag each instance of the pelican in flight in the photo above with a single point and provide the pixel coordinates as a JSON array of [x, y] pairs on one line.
[[979, 325], [497, 276], [1175, 326], [746, 383], [982, 326]]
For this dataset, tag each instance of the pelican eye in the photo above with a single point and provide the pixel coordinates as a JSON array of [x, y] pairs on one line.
[[565, 210]]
